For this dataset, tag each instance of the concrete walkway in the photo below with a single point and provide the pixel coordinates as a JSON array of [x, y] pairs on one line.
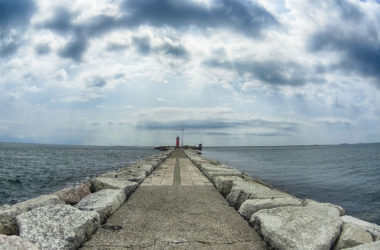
[[176, 207]]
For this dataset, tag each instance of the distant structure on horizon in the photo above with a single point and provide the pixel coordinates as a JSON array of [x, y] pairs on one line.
[[177, 142]]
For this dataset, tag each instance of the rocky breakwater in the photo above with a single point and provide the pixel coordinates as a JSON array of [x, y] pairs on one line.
[[284, 221], [67, 218]]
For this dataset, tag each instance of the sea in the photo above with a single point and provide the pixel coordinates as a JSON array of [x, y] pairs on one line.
[[31, 170], [346, 175]]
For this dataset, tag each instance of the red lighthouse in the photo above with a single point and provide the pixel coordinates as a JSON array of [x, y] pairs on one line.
[[177, 142]]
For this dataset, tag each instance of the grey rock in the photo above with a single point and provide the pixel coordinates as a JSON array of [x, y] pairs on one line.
[[308, 202], [101, 183], [212, 171], [9, 213], [57, 226], [15, 243], [109, 175], [297, 227], [250, 207], [352, 235], [224, 183], [244, 190], [148, 168], [131, 174], [372, 228], [72, 195], [105, 202], [367, 246]]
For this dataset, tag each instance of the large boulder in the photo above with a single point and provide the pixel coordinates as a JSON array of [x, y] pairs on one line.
[[311, 203], [140, 166], [367, 246], [224, 183], [57, 226], [72, 195], [244, 190], [212, 170], [9, 213], [250, 207], [105, 202], [15, 243], [131, 174], [101, 183], [352, 235], [367, 226], [293, 227]]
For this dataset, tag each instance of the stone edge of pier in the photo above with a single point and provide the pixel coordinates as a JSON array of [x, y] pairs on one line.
[[74, 213], [285, 221]]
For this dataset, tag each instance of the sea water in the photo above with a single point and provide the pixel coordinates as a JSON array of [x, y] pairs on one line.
[[346, 175], [30, 170]]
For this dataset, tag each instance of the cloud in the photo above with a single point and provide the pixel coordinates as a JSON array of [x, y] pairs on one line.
[[242, 16], [75, 48], [246, 17], [142, 45], [97, 82], [360, 53], [217, 124], [60, 21], [177, 51], [42, 49], [267, 71], [14, 18]]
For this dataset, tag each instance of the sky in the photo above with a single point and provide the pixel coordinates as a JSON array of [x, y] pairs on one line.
[[228, 72]]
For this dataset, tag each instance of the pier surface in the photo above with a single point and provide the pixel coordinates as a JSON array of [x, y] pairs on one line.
[[176, 207]]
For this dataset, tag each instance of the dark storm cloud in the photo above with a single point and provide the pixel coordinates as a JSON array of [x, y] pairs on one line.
[[14, 18], [270, 72], [42, 49], [360, 53], [241, 16], [238, 15], [218, 124]]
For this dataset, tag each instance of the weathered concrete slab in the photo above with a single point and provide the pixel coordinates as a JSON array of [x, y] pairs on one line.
[[312, 203], [101, 183], [176, 217], [367, 226], [244, 190], [72, 195], [298, 227], [368, 246], [105, 202], [224, 183], [15, 243], [57, 226], [250, 207], [352, 235], [9, 213]]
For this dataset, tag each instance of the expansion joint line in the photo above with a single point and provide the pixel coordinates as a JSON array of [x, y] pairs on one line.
[[177, 174]]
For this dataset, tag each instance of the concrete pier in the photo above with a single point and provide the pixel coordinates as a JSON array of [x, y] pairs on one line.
[[176, 207]]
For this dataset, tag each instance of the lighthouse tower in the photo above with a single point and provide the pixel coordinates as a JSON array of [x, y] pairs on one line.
[[177, 142]]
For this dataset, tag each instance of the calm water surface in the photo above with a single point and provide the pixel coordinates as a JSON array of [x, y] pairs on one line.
[[347, 175], [29, 170]]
